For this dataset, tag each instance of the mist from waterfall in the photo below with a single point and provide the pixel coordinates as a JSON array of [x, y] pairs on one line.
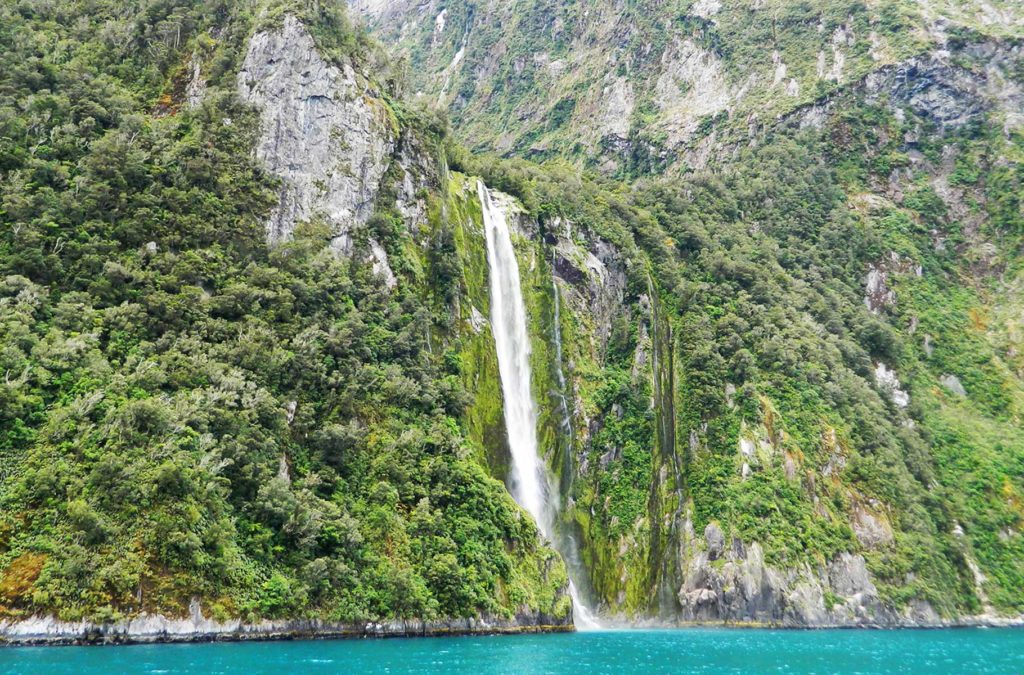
[[530, 483]]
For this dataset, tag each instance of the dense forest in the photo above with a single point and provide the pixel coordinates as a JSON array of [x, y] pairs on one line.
[[187, 412]]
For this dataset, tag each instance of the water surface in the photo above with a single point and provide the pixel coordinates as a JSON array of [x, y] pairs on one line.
[[652, 651]]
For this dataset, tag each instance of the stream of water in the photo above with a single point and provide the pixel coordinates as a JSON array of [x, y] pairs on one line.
[[530, 483]]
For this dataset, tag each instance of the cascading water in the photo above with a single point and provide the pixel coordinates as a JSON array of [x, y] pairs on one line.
[[563, 402], [530, 484]]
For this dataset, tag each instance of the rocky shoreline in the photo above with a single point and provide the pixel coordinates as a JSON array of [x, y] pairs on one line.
[[902, 623], [155, 629], [151, 628]]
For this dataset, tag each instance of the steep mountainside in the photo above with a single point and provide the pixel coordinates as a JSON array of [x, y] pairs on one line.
[[231, 381], [766, 414], [250, 376], [628, 85]]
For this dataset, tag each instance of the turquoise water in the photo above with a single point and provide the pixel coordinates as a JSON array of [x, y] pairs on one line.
[[653, 651]]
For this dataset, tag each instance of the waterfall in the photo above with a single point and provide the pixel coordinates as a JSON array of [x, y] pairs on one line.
[[512, 341], [529, 480]]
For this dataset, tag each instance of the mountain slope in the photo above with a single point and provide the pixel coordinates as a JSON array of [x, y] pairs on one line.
[[628, 86], [765, 427], [250, 378], [194, 422]]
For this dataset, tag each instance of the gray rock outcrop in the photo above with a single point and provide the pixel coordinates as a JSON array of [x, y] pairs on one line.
[[594, 274], [735, 584], [953, 384], [324, 132]]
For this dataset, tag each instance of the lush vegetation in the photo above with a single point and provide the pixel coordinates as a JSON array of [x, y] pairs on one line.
[[187, 413], [782, 433]]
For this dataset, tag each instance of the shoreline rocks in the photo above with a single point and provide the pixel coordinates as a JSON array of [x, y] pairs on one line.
[[154, 628]]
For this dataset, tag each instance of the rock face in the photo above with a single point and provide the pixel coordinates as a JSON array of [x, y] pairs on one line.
[[934, 87], [324, 132], [692, 85], [952, 383], [594, 276], [744, 589], [889, 383], [878, 296], [731, 582], [734, 584], [870, 525], [618, 101]]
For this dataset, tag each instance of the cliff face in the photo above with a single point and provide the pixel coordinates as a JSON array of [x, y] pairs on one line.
[[325, 134], [677, 497], [731, 583]]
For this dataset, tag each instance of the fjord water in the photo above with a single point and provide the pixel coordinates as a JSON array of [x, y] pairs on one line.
[[698, 650], [530, 484]]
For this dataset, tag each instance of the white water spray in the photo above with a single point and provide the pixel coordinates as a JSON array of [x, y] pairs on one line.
[[530, 485]]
